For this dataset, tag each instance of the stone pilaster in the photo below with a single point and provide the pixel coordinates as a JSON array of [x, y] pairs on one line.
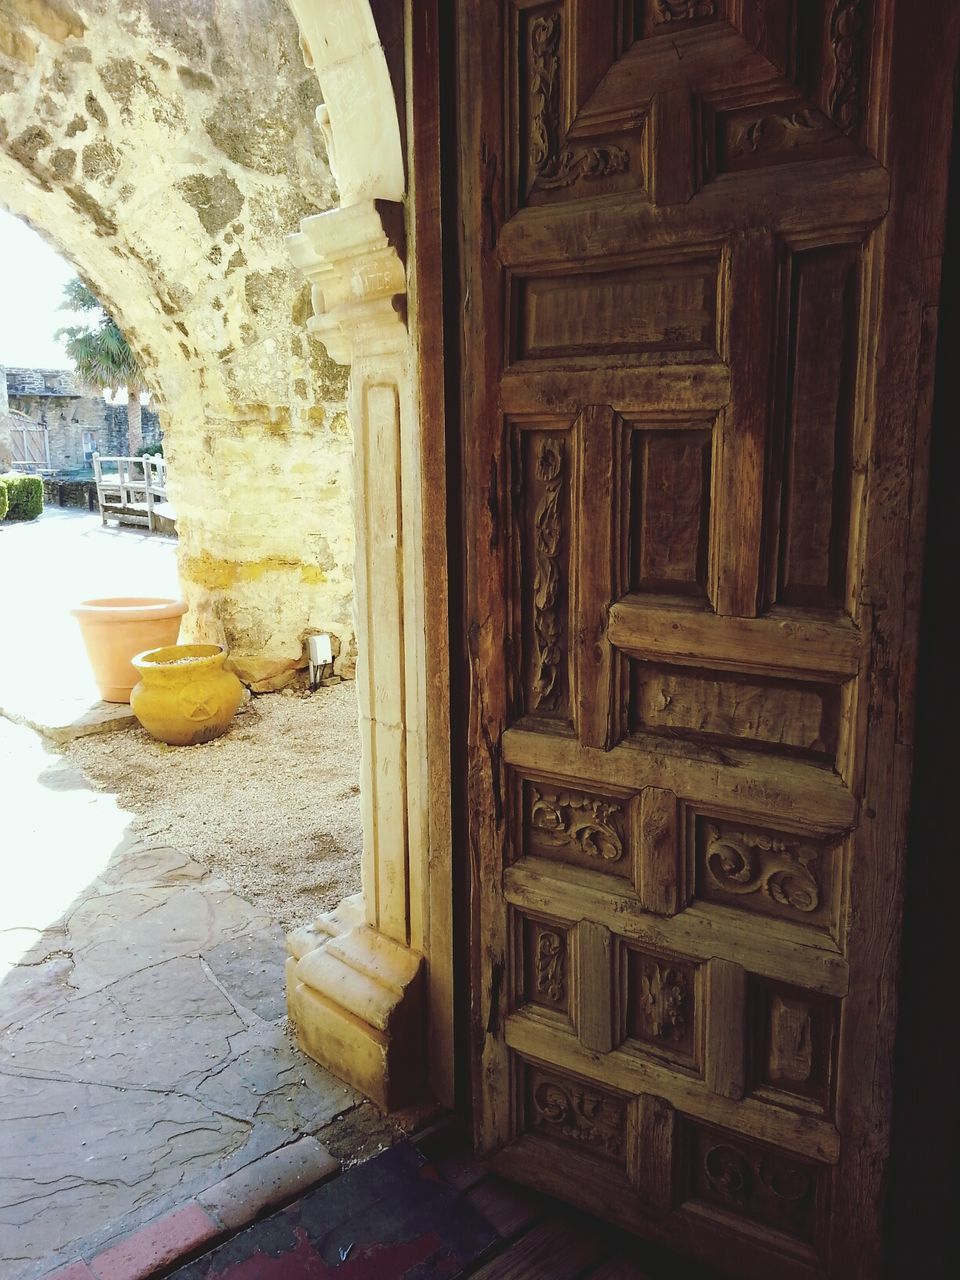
[[355, 979]]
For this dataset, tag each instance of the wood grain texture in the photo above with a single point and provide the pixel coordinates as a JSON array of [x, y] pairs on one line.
[[726, 1028], [781, 715], [737, 551], [670, 510], [816, 377], [662, 887], [595, 986], [432, 923], [599, 682], [624, 1073], [788, 953], [774, 645], [752, 784], [765, 777], [656, 1172], [551, 1249]]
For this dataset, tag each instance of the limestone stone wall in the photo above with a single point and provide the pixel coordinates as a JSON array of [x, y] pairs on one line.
[[167, 147]]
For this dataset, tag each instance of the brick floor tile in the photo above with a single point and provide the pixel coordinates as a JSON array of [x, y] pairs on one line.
[[157, 1245], [269, 1182]]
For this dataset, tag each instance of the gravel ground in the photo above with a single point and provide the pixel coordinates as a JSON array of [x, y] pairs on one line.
[[273, 806]]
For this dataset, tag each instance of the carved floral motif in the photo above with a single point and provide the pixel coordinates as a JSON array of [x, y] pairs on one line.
[[663, 1001], [846, 39], [549, 966], [778, 131], [674, 10], [743, 862], [547, 619], [555, 163], [566, 818], [580, 1115]]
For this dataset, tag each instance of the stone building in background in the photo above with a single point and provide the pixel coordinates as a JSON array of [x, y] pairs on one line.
[[76, 424]]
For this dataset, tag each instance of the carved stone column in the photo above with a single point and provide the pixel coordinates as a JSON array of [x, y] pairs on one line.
[[355, 979]]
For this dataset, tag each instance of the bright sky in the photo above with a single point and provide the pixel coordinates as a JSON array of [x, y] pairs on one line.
[[32, 277]]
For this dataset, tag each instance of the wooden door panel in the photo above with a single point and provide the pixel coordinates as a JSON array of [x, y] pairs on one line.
[[678, 242]]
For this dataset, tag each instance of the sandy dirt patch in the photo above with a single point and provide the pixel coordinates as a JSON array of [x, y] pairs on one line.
[[273, 806]]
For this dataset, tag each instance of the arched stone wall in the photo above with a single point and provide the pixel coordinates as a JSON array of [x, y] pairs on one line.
[[167, 149]]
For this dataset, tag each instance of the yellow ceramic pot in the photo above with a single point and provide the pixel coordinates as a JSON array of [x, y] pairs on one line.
[[184, 696]]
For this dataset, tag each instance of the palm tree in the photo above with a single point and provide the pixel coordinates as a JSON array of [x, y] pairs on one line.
[[103, 357]]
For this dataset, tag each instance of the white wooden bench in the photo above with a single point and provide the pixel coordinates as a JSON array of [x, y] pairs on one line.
[[134, 491]]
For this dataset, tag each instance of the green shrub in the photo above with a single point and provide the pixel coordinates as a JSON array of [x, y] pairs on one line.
[[24, 496], [4, 501], [153, 450]]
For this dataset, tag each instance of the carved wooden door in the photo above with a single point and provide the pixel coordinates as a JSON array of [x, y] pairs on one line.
[[695, 335]]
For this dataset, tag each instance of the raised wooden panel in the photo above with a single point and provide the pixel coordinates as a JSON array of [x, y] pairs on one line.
[[576, 1115], [756, 1183], [770, 133], [656, 1143], [763, 870], [591, 829], [543, 964], [793, 1035], [595, 1003], [726, 1028], [560, 150], [669, 517], [661, 1005], [667, 17], [543, 460], [662, 873], [817, 355], [777, 714], [652, 307], [629, 1072], [685, 632], [600, 699]]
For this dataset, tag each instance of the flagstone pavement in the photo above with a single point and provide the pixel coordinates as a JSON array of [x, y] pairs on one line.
[[144, 1054]]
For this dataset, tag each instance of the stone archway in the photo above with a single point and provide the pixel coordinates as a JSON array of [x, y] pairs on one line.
[[365, 982], [167, 151]]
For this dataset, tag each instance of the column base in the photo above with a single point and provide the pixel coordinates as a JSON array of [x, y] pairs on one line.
[[356, 999]]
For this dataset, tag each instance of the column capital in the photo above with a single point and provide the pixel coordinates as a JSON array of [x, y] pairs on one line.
[[355, 274]]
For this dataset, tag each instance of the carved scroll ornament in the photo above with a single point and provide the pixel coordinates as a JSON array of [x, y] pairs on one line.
[[733, 1174], [581, 1116], [547, 620], [555, 163], [777, 132], [675, 10], [550, 966], [846, 39], [745, 862], [564, 819]]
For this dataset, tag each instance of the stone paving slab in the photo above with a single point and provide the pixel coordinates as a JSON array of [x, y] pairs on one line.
[[144, 1056], [61, 718]]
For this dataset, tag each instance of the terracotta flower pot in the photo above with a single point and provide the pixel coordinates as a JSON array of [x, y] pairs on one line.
[[185, 697], [115, 630]]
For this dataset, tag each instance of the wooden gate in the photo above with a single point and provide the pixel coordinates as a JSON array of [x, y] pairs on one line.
[[701, 261], [29, 443]]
